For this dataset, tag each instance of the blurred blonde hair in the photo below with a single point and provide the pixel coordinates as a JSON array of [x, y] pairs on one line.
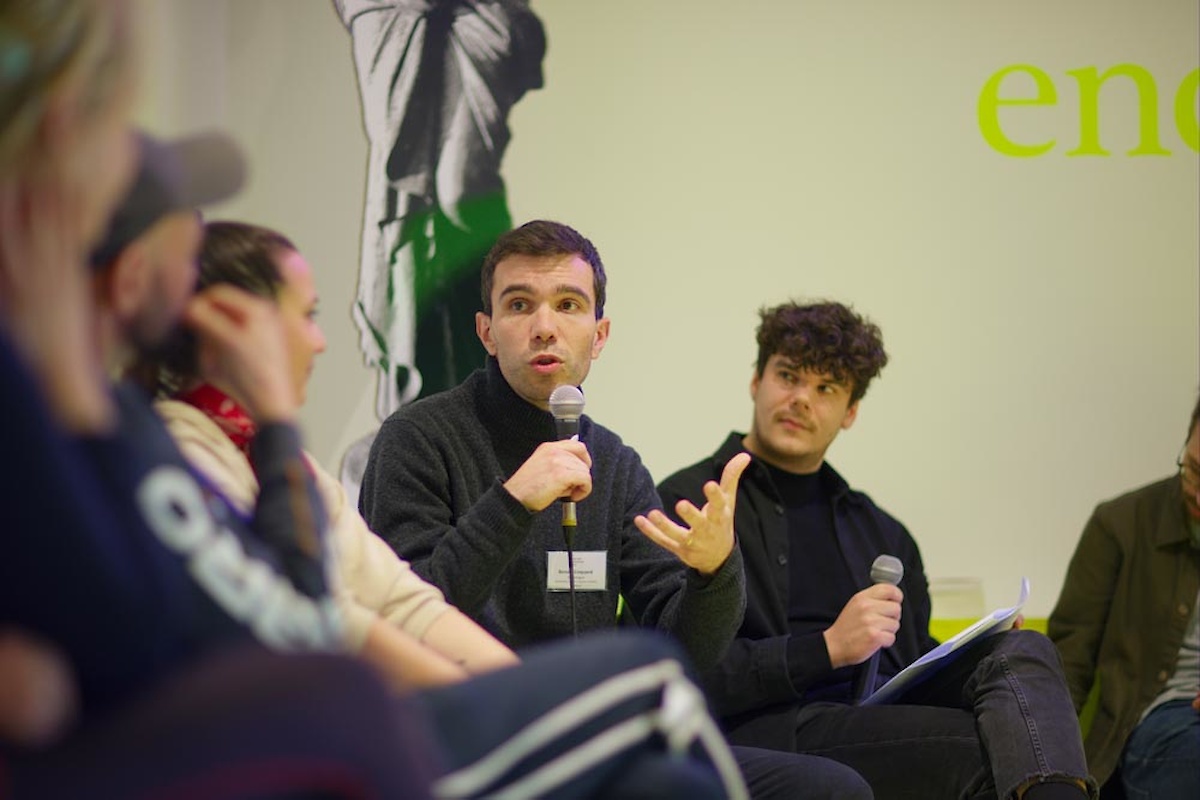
[[48, 46]]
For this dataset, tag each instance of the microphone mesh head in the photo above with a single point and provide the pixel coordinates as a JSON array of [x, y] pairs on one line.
[[887, 569], [566, 402]]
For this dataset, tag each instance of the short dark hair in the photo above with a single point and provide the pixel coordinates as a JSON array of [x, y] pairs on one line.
[[824, 337], [235, 253], [1195, 418], [543, 238]]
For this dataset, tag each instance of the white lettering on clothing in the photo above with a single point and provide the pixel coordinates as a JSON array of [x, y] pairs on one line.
[[248, 589]]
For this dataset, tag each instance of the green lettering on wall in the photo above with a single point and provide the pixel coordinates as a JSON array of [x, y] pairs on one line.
[[1186, 110], [990, 102], [1089, 110]]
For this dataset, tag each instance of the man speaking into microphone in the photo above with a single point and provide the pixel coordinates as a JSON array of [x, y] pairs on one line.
[[837, 602], [466, 486]]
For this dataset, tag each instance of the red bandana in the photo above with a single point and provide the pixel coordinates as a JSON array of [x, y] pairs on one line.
[[223, 410]]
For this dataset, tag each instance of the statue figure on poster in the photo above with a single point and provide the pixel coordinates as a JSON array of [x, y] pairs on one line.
[[437, 80]]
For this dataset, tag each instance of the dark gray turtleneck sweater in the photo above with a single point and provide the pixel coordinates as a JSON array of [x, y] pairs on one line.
[[433, 490]]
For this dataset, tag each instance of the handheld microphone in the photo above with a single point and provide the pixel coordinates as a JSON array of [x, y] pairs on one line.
[[885, 569], [566, 405]]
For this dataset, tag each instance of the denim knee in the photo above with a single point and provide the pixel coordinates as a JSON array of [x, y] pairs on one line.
[[1162, 756], [1032, 645]]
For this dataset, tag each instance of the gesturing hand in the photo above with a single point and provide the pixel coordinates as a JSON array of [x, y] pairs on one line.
[[242, 347], [556, 469], [708, 540], [868, 622]]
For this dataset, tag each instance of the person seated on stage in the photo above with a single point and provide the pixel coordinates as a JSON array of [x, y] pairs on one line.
[[466, 485], [1128, 618], [997, 722], [395, 618]]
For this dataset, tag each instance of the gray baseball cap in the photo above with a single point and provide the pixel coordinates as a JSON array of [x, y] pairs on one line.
[[175, 175]]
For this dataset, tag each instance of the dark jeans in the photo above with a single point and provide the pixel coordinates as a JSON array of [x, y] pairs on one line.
[[241, 726], [1162, 756], [989, 722], [773, 775]]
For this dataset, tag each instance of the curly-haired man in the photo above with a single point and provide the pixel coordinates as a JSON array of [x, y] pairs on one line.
[[995, 722]]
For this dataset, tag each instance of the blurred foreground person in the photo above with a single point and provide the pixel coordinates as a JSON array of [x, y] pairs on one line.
[[91, 696]]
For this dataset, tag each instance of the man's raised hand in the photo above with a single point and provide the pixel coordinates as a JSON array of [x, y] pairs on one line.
[[707, 538]]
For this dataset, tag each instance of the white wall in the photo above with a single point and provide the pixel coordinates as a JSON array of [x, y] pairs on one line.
[[1041, 313]]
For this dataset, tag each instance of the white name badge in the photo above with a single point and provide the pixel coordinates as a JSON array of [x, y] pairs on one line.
[[591, 571]]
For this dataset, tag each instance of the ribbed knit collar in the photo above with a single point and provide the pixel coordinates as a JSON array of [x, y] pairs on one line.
[[519, 425], [836, 485]]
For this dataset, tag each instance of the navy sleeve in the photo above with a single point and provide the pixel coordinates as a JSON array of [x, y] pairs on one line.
[[407, 497], [289, 515]]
